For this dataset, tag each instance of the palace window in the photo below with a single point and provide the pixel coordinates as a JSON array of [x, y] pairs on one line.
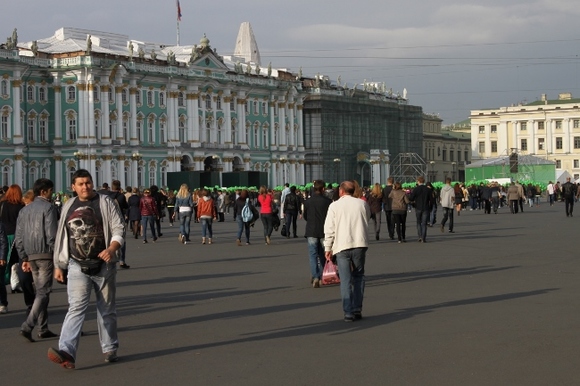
[[576, 142], [576, 164], [96, 92], [110, 95], [71, 94], [494, 129], [523, 126], [559, 144], [4, 89], [30, 94], [71, 128], [124, 98], [541, 125], [42, 94], [481, 129], [524, 144], [138, 96], [31, 128], [180, 101], [494, 146], [208, 102], [162, 132], [182, 130], [558, 124], [540, 143], [4, 125], [150, 131], [43, 130], [162, 99], [255, 108], [558, 164], [150, 98], [576, 123], [218, 103], [481, 147]]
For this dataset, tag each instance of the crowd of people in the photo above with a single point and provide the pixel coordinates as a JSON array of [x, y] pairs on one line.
[[79, 239]]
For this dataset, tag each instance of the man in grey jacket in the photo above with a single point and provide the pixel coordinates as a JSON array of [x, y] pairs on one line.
[[90, 233], [34, 240], [447, 197]]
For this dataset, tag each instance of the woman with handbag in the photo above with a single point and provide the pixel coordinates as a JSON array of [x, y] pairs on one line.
[[267, 208]]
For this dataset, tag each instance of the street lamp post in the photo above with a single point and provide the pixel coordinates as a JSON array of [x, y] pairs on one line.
[[337, 167], [136, 157], [453, 164], [79, 155]]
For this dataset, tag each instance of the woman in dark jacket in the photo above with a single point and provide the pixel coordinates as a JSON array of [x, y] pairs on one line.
[[375, 202], [134, 213], [458, 197], [10, 205]]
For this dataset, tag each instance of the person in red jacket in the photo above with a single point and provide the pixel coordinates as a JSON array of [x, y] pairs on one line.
[[206, 213], [149, 214]]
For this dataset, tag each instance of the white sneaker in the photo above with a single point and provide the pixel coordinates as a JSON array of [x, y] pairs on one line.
[[3, 310]]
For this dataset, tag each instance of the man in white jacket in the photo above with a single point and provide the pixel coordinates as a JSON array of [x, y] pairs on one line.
[[447, 197], [345, 235]]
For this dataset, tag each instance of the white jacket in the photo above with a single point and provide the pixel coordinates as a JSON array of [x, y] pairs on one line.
[[346, 225]]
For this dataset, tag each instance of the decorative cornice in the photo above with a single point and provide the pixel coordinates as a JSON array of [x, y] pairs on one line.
[[57, 158], [18, 157]]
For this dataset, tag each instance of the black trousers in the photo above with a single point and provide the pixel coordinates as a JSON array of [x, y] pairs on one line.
[[390, 223], [569, 205]]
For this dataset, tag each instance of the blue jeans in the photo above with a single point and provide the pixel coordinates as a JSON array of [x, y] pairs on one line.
[[184, 223], [351, 269], [206, 227], [79, 294], [317, 259], [422, 216], [151, 221], [241, 227], [433, 215], [291, 218], [42, 271], [447, 214]]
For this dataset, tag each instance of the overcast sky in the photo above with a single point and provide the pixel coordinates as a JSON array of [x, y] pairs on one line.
[[452, 56]]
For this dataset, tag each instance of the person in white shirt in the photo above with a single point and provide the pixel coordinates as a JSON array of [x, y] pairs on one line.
[[345, 236]]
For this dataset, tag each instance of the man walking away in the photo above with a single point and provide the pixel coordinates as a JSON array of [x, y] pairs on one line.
[[34, 240], [422, 196], [387, 207], [569, 194], [447, 203], [345, 235], [315, 210]]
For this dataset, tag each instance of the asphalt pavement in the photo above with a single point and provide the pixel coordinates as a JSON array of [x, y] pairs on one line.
[[495, 303]]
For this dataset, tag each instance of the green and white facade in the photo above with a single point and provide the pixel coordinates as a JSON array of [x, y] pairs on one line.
[[134, 111]]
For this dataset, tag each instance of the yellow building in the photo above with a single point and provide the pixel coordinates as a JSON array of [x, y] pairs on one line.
[[445, 150], [547, 128]]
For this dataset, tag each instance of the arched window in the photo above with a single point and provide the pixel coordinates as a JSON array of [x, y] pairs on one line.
[[124, 96], [265, 143], [110, 94], [71, 93], [30, 94], [43, 130], [96, 93], [4, 89], [162, 136], [182, 129], [161, 99], [256, 135], [139, 128], [150, 98], [164, 176], [6, 176], [218, 103], [180, 101], [152, 175], [208, 101]]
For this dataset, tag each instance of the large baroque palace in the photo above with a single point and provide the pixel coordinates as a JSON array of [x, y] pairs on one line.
[[134, 111]]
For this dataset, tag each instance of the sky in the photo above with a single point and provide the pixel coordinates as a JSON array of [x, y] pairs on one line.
[[452, 56]]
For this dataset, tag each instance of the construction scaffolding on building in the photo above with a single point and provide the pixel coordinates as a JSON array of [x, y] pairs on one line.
[[406, 167]]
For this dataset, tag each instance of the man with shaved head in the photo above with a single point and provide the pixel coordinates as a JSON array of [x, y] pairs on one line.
[[345, 236]]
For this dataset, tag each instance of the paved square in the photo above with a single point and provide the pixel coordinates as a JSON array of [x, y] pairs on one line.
[[494, 303]]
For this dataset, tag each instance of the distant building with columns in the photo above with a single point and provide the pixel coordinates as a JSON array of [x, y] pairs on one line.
[[546, 128]]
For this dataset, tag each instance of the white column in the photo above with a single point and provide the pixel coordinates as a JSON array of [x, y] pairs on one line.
[[119, 106], [194, 116], [18, 169], [567, 122], [57, 113], [241, 137], [228, 119], [121, 169], [515, 128], [107, 177], [549, 140], [273, 143], [190, 117], [299, 110], [292, 169], [17, 122], [58, 181], [282, 124], [291, 124], [133, 137], [487, 141], [532, 145], [134, 172], [213, 129], [83, 119], [90, 130], [105, 123], [273, 177]]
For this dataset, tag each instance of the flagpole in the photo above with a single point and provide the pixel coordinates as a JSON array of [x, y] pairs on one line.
[[178, 32]]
